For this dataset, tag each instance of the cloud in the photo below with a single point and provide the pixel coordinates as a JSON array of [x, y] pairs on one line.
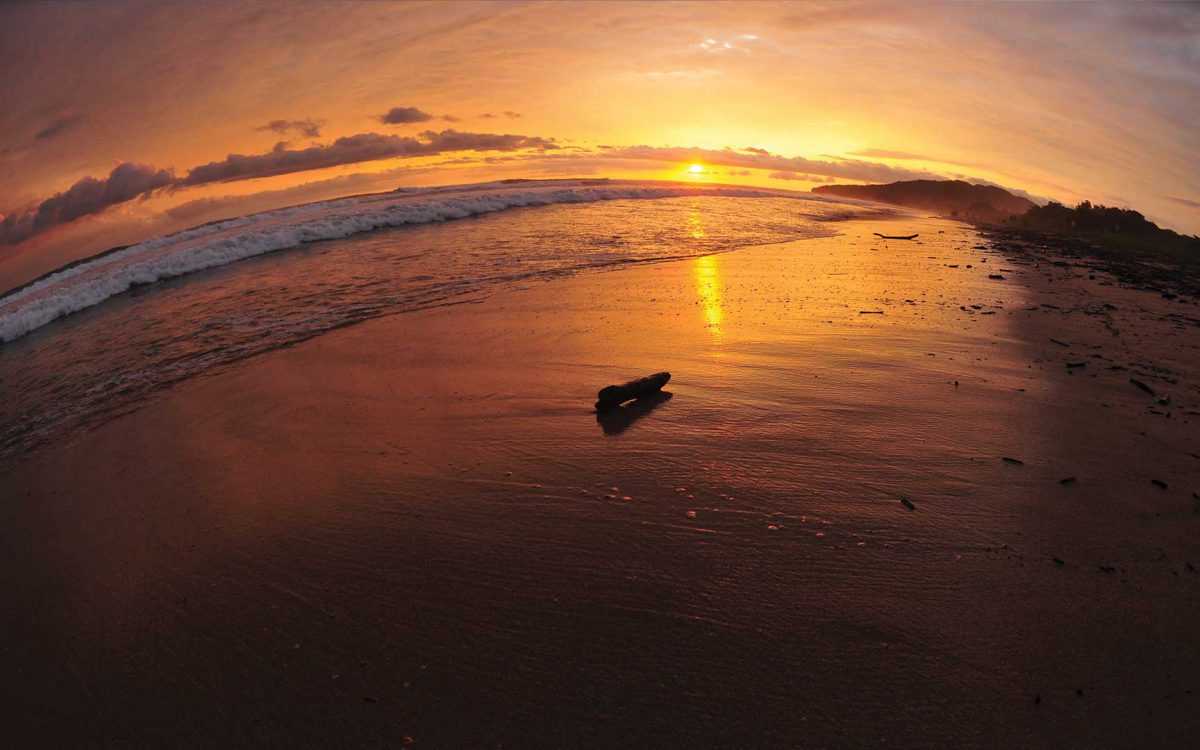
[[1184, 201], [511, 115], [217, 207], [755, 150], [308, 128], [849, 169], [740, 43], [281, 160], [739, 172], [58, 127], [87, 196], [451, 118], [354, 149], [1041, 200], [11, 153], [404, 116], [454, 140], [129, 180], [487, 116], [201, 206], [798, 176], [883, 153]]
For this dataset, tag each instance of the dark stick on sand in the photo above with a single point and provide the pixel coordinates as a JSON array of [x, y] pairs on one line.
[[1142, 386], [615, 395], [897, 236]]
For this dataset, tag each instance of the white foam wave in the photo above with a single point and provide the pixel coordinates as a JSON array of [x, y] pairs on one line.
[[91, 282]]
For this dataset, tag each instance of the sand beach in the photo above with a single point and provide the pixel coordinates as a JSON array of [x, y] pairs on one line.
[[886, 500]]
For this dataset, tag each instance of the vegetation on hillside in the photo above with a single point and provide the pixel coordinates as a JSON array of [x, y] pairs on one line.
[[1114, 232]]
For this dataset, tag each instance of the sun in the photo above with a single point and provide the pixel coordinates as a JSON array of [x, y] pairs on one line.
[[696, 169]]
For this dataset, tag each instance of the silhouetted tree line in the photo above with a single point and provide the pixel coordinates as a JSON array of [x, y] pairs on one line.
[[1086, 218], [1120, 231]]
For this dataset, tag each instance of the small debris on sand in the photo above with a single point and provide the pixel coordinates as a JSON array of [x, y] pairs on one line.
[[907, 503], [1073, 365], [1058, 561], [1011, 460], [611, 397], [1060, 343], [1142, 386], [1067, 480], [1158, 483], [997, 276], [870, 312]]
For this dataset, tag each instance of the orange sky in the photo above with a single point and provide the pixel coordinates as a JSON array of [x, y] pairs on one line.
[[1065, 101]]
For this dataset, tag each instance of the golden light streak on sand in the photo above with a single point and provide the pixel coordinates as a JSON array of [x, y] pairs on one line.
[[708, 288]]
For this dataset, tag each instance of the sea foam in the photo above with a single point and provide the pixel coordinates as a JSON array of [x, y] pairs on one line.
[[219, 243]]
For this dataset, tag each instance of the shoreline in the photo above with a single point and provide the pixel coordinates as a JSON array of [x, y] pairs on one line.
[[415, 526], [164, 358], [466, 189]]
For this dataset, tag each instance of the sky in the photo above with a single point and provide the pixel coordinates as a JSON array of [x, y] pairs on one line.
[[124, 120]]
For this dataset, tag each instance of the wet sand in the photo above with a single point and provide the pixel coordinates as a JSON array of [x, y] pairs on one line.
[[415, 531]]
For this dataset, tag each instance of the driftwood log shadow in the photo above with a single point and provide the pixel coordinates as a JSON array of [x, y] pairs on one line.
[[615, 421]]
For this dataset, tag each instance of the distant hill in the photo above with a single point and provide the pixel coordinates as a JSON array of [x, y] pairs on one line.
[[947, 197]]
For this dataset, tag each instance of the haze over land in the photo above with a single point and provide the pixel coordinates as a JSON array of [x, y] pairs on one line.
[[122, 122], [957, 198]]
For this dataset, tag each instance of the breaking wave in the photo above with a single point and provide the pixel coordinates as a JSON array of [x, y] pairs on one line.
[[113, 357], [90, 282]]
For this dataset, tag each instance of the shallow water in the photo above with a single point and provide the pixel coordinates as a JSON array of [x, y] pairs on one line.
[[110, 358]]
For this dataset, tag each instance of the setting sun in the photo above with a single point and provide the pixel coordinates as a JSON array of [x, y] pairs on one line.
[[696, 169]]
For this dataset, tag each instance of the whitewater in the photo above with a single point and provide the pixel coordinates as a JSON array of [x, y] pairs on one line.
[[85, 284]]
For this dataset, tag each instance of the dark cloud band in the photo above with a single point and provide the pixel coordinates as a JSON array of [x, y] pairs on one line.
[[404, 116], [307, 128], [354, 149], [87, 196], [129, 181]]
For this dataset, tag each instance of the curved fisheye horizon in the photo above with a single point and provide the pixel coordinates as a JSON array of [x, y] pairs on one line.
[[521, 374], [114, 143]]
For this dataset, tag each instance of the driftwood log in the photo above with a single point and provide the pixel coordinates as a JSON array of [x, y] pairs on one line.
[[615, 395], [897, 236]]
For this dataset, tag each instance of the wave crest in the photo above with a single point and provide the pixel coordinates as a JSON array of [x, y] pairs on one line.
[[90, 282]]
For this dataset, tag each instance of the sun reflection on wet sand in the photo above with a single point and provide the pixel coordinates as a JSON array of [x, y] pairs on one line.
[[708, 279], [708, 287]]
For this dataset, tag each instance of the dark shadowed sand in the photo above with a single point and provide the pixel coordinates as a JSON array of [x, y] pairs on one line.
[[415, 531]]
